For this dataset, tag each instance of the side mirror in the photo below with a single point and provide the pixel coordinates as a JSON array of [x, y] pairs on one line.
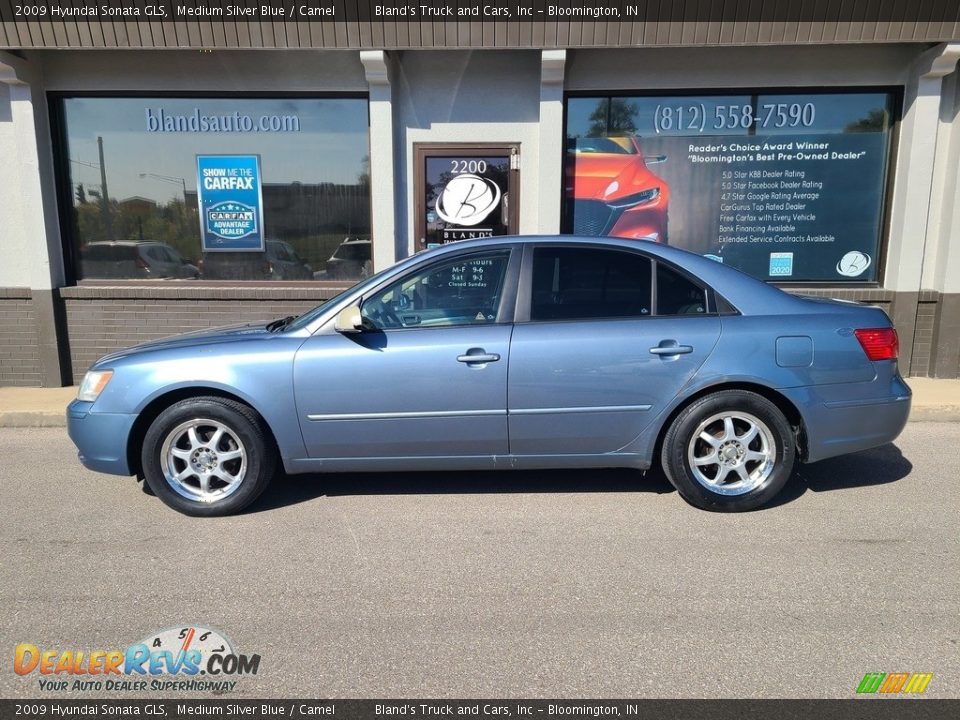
[[654, 159], [349, 320]]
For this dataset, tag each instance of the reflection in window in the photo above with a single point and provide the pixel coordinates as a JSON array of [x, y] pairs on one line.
[[579, 283], [132, 172], [466, 291]]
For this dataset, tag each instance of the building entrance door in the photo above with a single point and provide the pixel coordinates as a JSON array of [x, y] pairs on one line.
[[465, 191]]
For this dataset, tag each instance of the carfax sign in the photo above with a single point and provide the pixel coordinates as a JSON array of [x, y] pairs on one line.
[[231, 202]]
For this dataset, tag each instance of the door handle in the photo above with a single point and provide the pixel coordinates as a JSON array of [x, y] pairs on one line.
[[664, 349], [477, 356]]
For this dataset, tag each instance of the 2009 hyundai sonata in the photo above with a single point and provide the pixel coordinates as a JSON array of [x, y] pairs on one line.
[[534, 352]]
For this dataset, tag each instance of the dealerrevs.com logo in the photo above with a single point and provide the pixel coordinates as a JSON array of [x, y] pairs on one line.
[[188, 658]]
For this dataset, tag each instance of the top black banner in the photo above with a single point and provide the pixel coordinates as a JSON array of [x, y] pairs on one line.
[[446, 11]]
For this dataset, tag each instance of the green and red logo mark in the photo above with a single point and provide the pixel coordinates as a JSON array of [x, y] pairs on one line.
[[894, 683]]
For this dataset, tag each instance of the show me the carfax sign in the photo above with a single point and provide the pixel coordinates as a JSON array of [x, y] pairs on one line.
[[230, 199]]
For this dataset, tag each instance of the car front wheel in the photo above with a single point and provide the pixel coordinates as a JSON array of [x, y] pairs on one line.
[[729, 451], [207, 456]]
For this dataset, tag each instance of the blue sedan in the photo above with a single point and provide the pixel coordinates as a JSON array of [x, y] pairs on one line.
[[507, 353]]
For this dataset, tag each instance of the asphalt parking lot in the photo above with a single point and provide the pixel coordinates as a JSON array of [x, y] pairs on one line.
[[570, 584]]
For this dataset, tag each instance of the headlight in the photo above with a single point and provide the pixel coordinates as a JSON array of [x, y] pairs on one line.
[[93, 384], [635, 199]]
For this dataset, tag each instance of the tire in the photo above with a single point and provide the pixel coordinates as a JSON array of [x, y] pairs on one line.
[[738, 471], [208, 456]]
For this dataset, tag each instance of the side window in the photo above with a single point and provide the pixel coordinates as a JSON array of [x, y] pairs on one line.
[[676, 295], [571, 283], [464, 291]]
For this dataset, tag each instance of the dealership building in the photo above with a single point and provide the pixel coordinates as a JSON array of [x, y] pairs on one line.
[[163, 176]]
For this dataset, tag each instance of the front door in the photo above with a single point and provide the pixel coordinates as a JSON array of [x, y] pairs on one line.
[[465, 192], [428, 378]]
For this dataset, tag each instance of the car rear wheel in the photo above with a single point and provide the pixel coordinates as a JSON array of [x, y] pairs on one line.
[[207, 456], [729, 451]]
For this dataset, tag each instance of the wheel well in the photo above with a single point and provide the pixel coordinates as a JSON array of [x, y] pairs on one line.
[[788, 409], [159, 404]]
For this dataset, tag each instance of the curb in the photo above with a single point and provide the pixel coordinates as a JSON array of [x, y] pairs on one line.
[[932, 413], [935, 413], [32, 419]]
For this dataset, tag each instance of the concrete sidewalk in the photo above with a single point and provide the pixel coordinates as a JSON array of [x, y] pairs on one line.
[[934, 400]]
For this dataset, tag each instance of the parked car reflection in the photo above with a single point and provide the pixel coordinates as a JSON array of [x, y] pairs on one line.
[[133, 260], [279, 261], [352, 260]]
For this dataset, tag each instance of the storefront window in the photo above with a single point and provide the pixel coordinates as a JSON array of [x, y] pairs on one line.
[[787, 187], [180, 189]]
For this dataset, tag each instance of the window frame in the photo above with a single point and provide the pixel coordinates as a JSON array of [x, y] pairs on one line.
[[525, 284], [69, 244]]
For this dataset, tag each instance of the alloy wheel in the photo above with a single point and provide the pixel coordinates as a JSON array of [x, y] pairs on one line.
[[732, 453], [203, 460]]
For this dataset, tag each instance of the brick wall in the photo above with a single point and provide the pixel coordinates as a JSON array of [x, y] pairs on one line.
[[19, 353], [923, 334], [104, 319]]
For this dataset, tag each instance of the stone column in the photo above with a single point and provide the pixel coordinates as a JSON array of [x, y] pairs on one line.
[[376, 68], [552, 66], [35, 235], [907, 248]]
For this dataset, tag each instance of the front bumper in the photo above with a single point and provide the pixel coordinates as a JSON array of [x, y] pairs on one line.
[[101, 438]]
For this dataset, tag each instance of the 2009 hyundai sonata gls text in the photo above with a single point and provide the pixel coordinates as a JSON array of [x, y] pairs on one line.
[[535, 352]]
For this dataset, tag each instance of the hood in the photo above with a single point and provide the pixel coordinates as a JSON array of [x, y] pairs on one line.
[[229, 333], [594, 173]]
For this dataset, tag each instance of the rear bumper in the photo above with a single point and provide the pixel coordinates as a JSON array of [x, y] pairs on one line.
[[837, 423], [101, 438]]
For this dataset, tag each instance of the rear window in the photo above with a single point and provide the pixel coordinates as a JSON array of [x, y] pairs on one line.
[[677, 294]]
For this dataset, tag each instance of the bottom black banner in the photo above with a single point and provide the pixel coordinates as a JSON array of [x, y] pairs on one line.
[[853, 709]]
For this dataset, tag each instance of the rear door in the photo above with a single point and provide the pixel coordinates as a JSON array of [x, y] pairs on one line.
[[597, 352]]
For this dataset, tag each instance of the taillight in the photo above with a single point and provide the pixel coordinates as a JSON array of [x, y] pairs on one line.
[[879, 343]]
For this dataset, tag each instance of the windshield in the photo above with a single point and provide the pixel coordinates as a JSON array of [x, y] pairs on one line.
[[309, 316]]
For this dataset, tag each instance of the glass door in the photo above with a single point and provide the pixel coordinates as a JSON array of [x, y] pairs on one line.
[[465, 192]]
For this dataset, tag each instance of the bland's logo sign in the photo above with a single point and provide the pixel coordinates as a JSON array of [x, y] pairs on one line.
[[853, 264], [467, 200]]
